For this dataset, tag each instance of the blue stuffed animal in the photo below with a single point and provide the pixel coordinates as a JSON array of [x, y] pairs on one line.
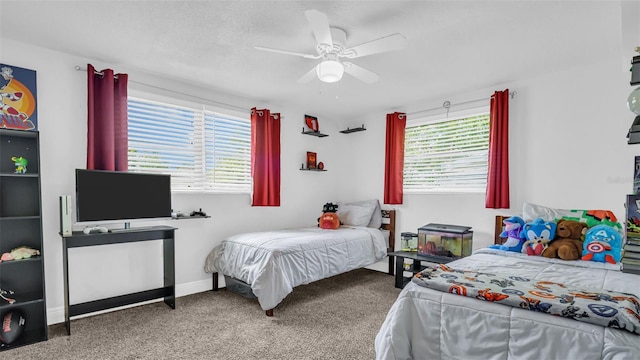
[[513, 233], [602, 243], [538, 234]]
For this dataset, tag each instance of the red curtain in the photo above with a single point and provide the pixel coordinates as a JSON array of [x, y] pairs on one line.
[[394, 158], [107, 133], [497, 196], [265, 157]]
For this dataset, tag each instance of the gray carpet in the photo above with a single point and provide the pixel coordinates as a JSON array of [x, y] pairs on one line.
[[335, 318]]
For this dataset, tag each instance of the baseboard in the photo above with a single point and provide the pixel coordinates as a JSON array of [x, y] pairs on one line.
[[56, 315]]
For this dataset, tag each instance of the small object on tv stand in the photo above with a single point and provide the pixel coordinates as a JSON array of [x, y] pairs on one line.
[[198, 213], [95, 229]]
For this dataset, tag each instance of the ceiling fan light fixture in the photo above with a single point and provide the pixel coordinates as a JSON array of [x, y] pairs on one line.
[[330, 71]]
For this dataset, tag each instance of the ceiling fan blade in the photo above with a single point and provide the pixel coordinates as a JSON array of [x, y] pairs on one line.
[[360, 73], [307, 56], [388, 43], [310, 75], [319, 26]]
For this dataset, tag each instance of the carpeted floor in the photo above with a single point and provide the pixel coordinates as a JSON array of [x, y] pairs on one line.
[[335, 318]]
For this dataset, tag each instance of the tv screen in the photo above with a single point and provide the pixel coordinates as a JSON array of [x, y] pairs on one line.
[[114, 195]]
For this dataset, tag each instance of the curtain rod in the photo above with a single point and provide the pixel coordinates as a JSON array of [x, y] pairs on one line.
[[447, 104], [78, 68]]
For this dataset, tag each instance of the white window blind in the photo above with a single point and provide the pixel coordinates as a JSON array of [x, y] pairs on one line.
[[203, 151], [447, 155]]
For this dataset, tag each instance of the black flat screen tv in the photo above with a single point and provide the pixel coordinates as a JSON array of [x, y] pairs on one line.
[[115, 195]]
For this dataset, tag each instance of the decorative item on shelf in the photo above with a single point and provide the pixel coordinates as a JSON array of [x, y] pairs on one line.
[[198, 213], [633, 101], [636, 175], [5, 293], [635, 68], [311, 160], [20, 163], [312, 122], [22, 252], [351, 130], [321, 165], [13, 324]]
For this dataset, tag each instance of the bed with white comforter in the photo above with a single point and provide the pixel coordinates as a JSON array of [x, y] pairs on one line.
[[274, 262], [425, 323]]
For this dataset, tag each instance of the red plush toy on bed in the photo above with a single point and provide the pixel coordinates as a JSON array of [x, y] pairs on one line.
[[329, 218]]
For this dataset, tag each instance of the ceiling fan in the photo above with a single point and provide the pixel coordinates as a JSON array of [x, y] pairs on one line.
[[331, 47]]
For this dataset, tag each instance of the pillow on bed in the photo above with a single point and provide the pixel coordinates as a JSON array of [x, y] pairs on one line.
[[376, 216], [354, 215], [590, 217]]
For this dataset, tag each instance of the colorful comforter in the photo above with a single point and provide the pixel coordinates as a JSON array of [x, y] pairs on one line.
[[426, 323], [596, 306]]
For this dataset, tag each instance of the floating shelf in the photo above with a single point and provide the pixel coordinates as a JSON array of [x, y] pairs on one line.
[[313, 133], [350, 130], [305, 169], [189, 217]]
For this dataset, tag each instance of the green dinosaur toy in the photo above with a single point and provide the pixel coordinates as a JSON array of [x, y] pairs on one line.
[[21, 164]]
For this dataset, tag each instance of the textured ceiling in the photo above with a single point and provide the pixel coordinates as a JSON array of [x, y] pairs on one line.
[[453, 46]]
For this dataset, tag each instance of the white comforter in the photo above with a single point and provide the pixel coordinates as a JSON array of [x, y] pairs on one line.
[[275, 262], [429, 324]]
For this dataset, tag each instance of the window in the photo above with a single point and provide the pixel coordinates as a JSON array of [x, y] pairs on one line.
[[202, 150], [447, 155]]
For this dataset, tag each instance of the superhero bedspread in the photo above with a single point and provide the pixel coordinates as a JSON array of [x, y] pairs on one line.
[[555, 310], [274, 262]]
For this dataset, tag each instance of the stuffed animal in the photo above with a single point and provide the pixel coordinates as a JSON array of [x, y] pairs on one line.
[[20, 163], [538, 234], [514, 234], [602, 243], [567, 244], [22, 252], [329, 218]]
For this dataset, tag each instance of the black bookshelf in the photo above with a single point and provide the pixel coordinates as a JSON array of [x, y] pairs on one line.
[[21, 225]]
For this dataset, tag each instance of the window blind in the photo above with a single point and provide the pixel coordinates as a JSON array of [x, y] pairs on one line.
[[447, 155], [203, 151]]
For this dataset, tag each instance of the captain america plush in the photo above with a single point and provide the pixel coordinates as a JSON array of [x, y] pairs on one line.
[[602, 243]]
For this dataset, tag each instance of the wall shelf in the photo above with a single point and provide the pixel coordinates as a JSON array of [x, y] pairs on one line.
[[351, 130], [190, 217], [306, 169], [313, 133]]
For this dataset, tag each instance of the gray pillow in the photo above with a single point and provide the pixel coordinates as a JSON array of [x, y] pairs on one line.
[[376, 217]]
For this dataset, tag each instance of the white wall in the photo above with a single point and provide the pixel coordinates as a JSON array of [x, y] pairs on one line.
[[116, 269], [568, 150]]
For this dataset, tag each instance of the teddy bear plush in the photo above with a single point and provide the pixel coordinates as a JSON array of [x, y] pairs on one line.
[[567, 244]]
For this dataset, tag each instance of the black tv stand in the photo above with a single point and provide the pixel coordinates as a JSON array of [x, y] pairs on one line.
[[80, 239]]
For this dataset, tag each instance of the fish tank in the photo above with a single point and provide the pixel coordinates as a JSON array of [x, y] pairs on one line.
[[409, 241], [453, 241]]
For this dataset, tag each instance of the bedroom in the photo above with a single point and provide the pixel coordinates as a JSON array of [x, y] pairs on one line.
[[568, 128]]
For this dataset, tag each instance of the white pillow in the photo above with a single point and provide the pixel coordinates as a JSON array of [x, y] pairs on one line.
[[376, 216], [531, 212], [353, 215]]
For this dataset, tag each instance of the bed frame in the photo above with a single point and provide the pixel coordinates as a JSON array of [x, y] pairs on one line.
[[243, 289], [497, 240]]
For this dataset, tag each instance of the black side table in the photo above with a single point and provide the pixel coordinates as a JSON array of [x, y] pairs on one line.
[[416, 267]]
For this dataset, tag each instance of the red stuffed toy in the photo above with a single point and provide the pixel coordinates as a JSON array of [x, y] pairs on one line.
[[329, 218]]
